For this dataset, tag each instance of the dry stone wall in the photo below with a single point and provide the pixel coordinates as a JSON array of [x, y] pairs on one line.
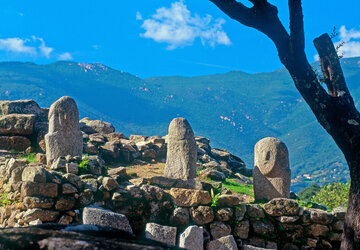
[[163, 209]]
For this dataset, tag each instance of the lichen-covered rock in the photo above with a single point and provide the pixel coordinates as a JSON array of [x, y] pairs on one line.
[[34, 174], [281, 207], [320, 216], [339, 213], [255, 211], [39, 189], [213, 174], [161, 233], [224, 214], [241, 229], [224, 243], [17, 124], [38, 202], [180, 216], [23, 107], [64, 136], [152, 192], [17, 143], [202, 215], [65, 203], [105, 218], [189, 197], [96, 126], [263, 228], [74, 180], [69, 189], [181, 151], [317, 230], [192, 238], [219, 229], [109, 183], [43, 215], [228, 200]]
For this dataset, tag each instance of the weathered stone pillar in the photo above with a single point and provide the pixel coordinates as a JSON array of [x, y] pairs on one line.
[[181, 151], [64, 136], [272, 175]]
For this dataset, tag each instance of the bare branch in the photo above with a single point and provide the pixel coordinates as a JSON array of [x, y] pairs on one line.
[[331, 67]]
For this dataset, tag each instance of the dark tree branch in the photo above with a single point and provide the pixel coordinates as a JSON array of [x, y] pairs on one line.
[[297, 34], [331, 67]]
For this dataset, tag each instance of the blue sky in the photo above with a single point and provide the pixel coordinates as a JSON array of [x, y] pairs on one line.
[[158, 37]]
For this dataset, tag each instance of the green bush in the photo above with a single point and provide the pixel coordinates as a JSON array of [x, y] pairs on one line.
[[308, 193], [333, 195]]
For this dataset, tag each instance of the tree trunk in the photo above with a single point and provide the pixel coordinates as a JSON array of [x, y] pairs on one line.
[[335, 110]]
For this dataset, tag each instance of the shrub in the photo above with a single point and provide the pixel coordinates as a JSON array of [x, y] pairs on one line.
[[333, 195], [308, 193]]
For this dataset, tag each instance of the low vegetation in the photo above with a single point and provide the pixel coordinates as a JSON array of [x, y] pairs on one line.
[[30, 157], [238, 188], [333, 195], [4, 199], [84, 166]]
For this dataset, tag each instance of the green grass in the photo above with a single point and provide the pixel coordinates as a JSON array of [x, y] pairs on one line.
[[30, 157], [238, 188]]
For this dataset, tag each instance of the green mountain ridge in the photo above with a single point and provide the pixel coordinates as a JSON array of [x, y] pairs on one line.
[[234, 110]]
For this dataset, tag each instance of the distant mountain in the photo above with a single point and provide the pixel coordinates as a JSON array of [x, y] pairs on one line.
[[234, 110]]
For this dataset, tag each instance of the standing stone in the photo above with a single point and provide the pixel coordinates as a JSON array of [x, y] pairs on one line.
[[271, 173], [181, 151], [192, 238], [64, 137]]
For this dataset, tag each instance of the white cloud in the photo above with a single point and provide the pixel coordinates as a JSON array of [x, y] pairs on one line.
[[44, 50], [17, 45], [178, 27], [65, 56], [139, 16], [33, 46], [351, 47]]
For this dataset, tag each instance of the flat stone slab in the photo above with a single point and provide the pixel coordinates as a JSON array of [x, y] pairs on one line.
[[17, 124], [105, 218]]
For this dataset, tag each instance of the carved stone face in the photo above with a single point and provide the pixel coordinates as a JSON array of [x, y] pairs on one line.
[[63, 115], [271, 156]]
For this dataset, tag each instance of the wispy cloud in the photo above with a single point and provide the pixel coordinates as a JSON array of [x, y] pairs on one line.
[[351, 47], [33, 47], [178, 27], [65, 56], [139, 16]]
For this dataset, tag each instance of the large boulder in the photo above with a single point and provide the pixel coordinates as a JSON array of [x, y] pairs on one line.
[[23, 107], [17, 143], [161, 233], [17, 124], [64, 137], [271, 173], [281, 207], [181, 151], [105, 218], [192, 238], [96, 126], [189, 197]]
